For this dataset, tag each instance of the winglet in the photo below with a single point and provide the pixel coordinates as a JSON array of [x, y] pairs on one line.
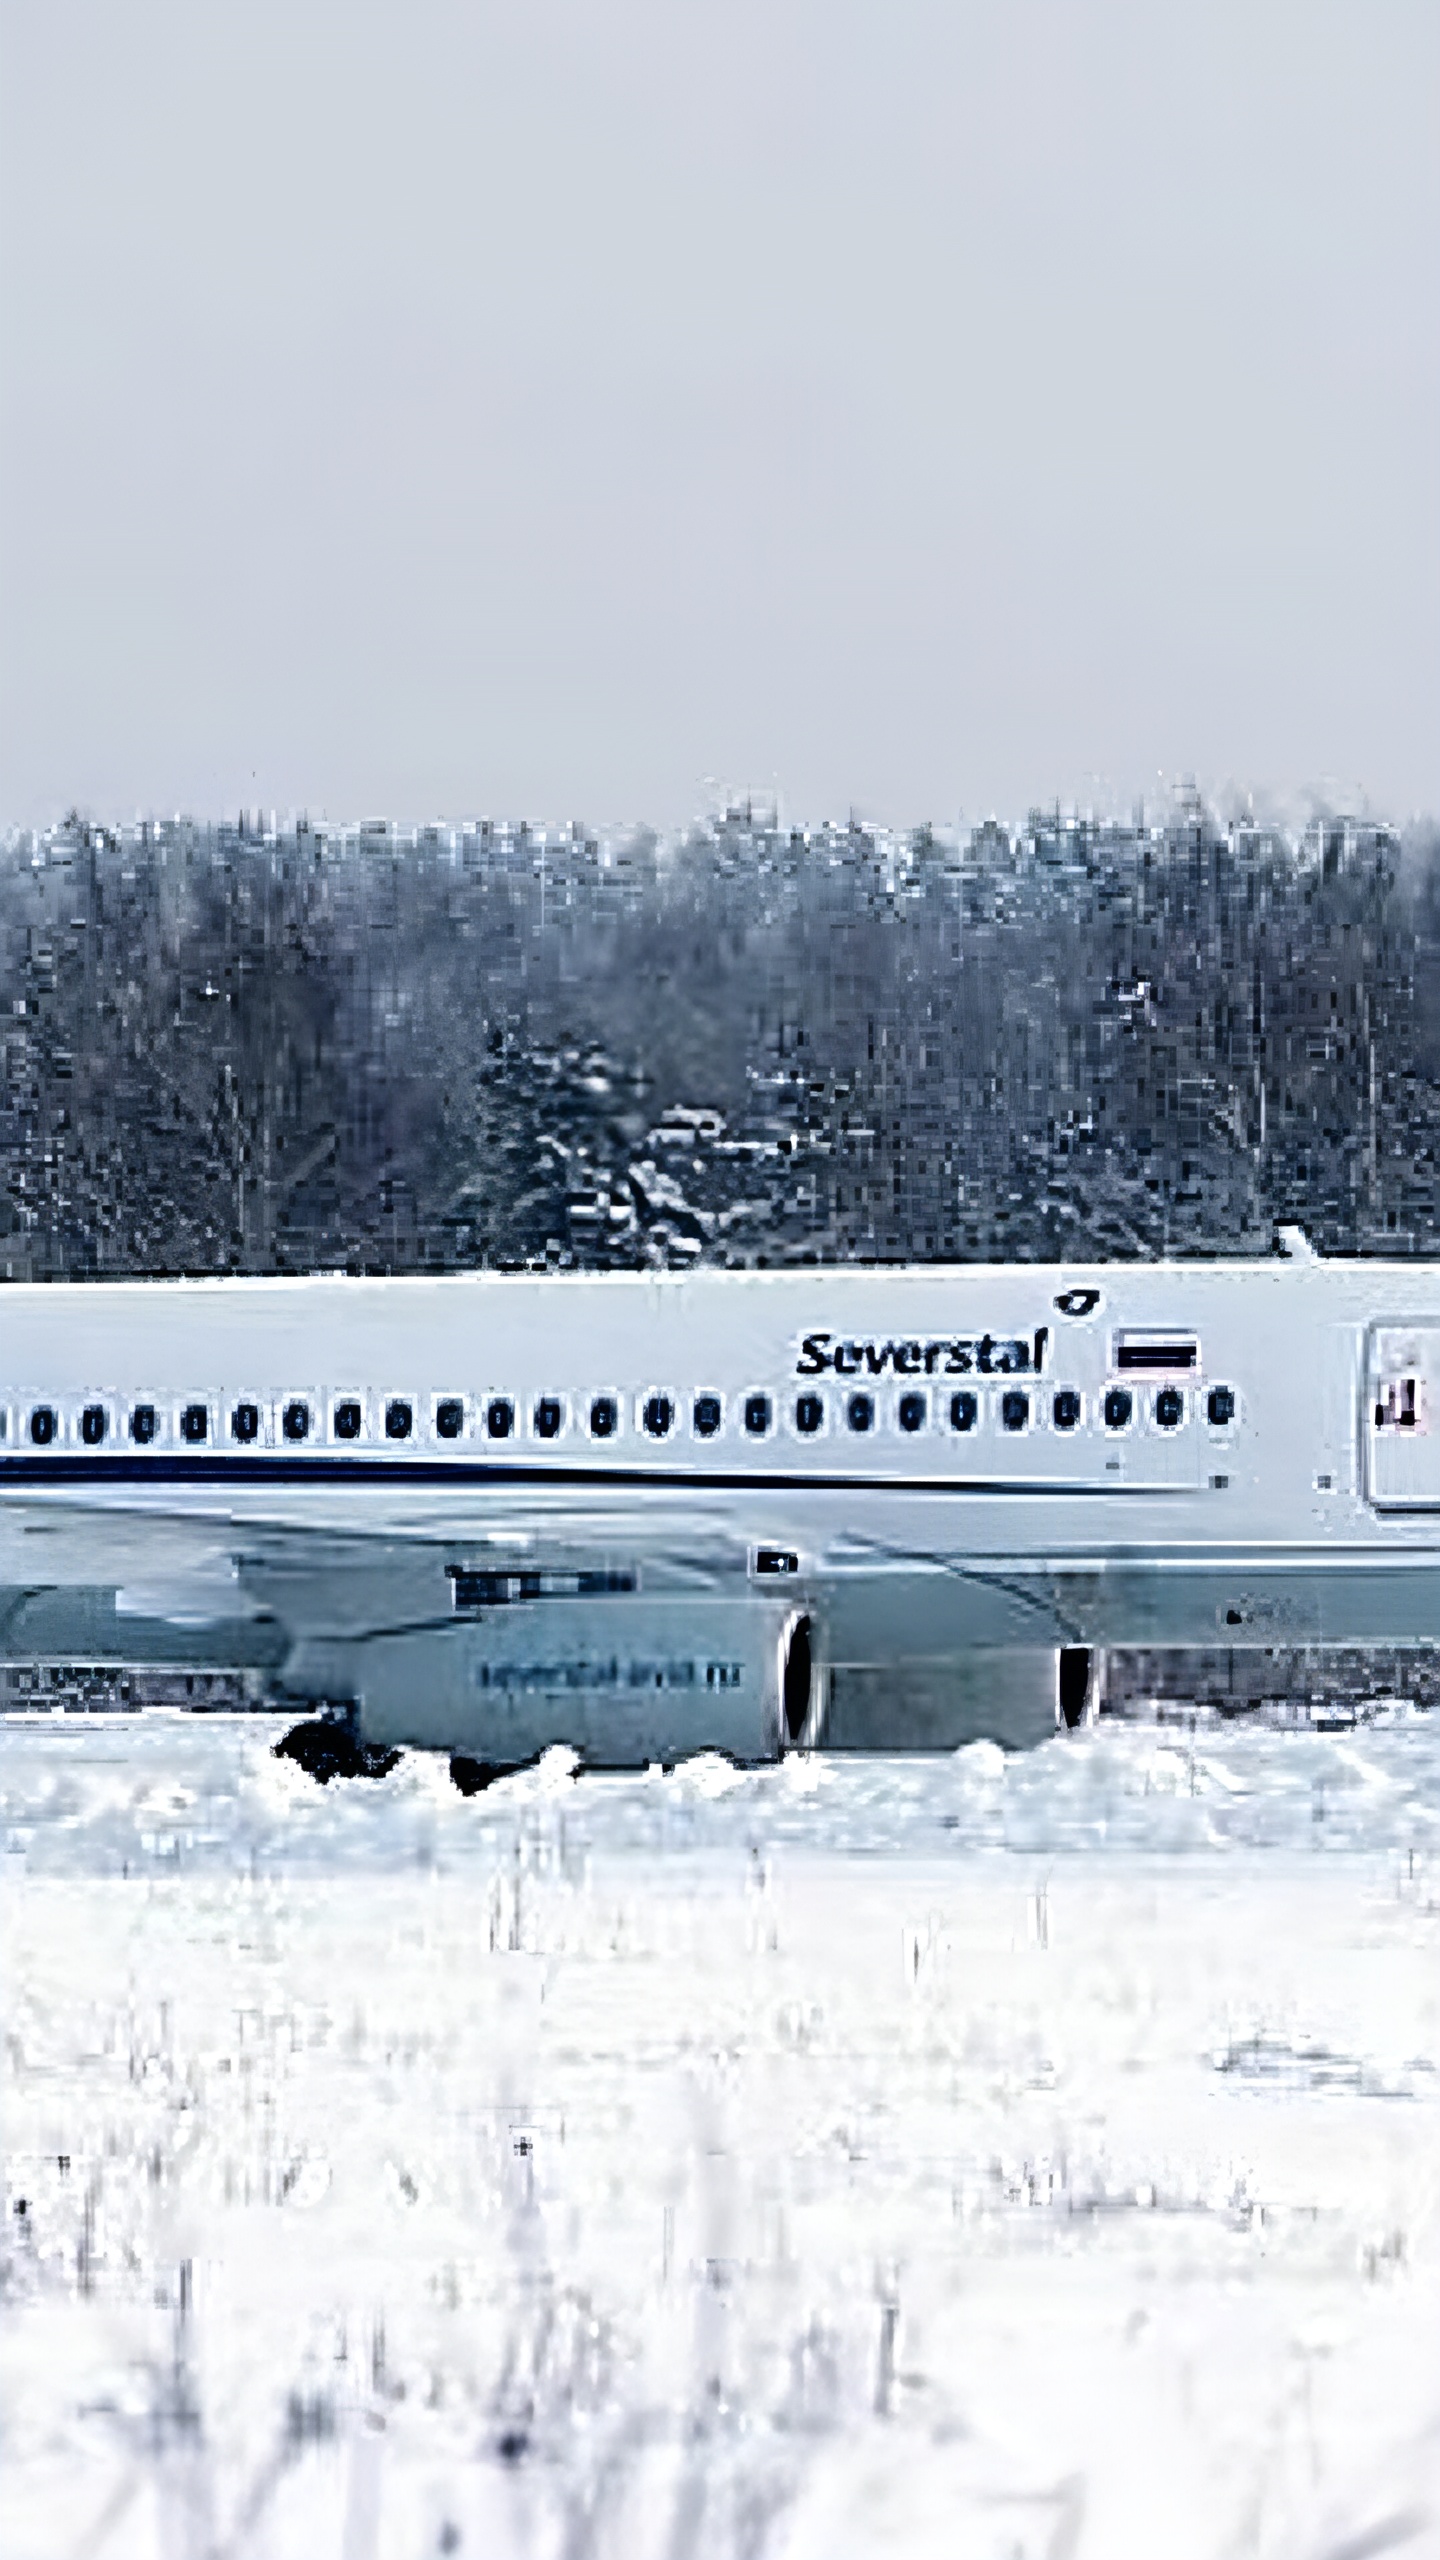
[[1295, 1245]]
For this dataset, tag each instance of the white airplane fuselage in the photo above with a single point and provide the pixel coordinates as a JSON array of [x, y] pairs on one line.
[[431, 1498]]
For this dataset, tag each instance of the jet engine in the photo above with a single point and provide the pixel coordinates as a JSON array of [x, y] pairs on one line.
[[639, 1679], [1017, 1695]]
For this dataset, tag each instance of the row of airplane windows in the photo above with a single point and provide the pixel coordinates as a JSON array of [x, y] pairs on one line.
[[396, 1419]]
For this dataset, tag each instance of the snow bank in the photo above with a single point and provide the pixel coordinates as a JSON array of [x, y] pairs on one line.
[[1006, 2157], [166, 1793]]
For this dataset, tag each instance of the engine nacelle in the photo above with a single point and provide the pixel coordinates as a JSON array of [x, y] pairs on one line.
[[628, 1682], [1017, 1695]]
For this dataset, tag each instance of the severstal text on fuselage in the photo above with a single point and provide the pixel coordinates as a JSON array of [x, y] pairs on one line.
[[914, 1356]]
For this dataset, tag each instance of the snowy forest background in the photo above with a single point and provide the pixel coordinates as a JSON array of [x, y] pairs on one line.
[[232, 1047]]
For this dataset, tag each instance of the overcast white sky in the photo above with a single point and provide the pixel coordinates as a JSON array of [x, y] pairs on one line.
[[586, 410]]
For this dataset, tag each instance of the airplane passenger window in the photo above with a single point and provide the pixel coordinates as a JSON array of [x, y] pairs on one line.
[[963, 1410], [1398, 1405], [449, 1418], [499, 1417], [659, 1414], [92, 1425], [707, 1416], [912, 1411], [547, 1418], [142, 1425], [602, 1417], [1169, 1408], [1014, 1408], [1067, 1409], [809, 1413], [245, 1422], [347, 1418], [42, 1425], [398, 1418], [860, 1411], [1221, 1407], [194, 1423], [295, 1420], [1119, 1405], [757, 1415]]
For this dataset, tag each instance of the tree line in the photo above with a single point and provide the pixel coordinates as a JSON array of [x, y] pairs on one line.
[[233, 1048]]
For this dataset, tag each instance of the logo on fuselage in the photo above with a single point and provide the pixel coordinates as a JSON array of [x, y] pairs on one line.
[[912, 1356], [1078, 1302]]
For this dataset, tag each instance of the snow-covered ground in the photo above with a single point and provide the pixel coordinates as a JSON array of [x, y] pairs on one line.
[[978, 2156]]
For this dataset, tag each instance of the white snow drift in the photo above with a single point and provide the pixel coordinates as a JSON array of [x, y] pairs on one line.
[[982, 2156]]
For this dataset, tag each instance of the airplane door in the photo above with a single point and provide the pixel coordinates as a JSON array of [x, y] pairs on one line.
[[1400, 1427]]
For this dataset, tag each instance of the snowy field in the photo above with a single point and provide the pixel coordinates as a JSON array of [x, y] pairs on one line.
[[996, 2158]]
